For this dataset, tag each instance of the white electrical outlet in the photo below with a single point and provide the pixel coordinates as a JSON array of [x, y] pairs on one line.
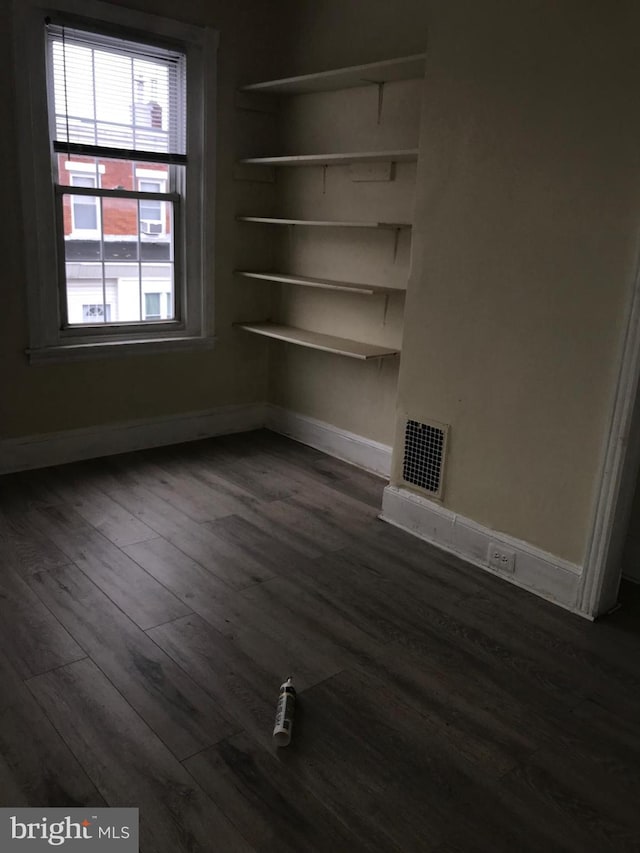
[[501, 558]]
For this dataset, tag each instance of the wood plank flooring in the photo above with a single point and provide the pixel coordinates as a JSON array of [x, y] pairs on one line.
[[151, 604]]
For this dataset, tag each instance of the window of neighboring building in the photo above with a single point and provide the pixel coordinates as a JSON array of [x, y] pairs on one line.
[[96, 313], [152, 306], [85, 209], [152, 210], [124, 111]]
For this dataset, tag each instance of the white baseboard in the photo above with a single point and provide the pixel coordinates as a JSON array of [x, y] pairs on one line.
[[539, 572], [39, 451], [58, 448], [364, 452]]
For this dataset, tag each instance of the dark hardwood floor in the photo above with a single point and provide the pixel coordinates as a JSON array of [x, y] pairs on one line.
[[152, 603]]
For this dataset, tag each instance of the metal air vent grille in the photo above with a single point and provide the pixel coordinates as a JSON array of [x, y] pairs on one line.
[[424, 449]]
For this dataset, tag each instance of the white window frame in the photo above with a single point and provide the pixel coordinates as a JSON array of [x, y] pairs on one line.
[[79, 167], [49, 341]]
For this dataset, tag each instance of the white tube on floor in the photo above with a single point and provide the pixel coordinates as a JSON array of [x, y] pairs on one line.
[[284, 713]]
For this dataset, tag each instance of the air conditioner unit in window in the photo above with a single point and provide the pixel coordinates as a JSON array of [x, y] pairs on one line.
[[149, 226]]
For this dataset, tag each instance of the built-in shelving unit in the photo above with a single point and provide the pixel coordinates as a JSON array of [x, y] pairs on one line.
[[316, 340], [322, 283], [407, 155], [374, 73], [347, 191], [329, 223]]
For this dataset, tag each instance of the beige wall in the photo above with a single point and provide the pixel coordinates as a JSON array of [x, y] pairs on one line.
[[525, 254], [57, 397], [351, 395], [357, 397], [524, 251], [631, 552], [524, 244]]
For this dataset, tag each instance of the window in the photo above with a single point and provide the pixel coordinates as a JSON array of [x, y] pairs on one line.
[[152, 215], [116, 119], [84, 208], [152, 306], [118, 102], [96, 313]]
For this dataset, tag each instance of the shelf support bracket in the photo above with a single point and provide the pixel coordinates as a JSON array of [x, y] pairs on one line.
[[324, 180], [380, 100], [290, 242], [396, 243], [386, 308]]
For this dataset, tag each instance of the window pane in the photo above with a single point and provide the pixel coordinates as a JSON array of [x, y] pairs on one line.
[[114, 174], [151, 211], [113, 75], [108, 91], [81, 249], [77, 101], [153, 177], [72, 168], [120, 227], [123, 268], [157, 287], [156, 230], [124, 281], [134, 175], [84, 287]]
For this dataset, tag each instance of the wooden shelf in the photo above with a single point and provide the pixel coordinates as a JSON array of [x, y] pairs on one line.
[[387, 71], [406, 155], [315, 340], [323, 283], [269, 220]]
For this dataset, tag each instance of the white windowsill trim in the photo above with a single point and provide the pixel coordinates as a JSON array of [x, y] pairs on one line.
[[153, 174], [79, 234], [117, 349], [78, 166]]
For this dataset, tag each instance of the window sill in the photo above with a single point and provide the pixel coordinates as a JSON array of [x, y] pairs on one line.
[[116, 349]]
